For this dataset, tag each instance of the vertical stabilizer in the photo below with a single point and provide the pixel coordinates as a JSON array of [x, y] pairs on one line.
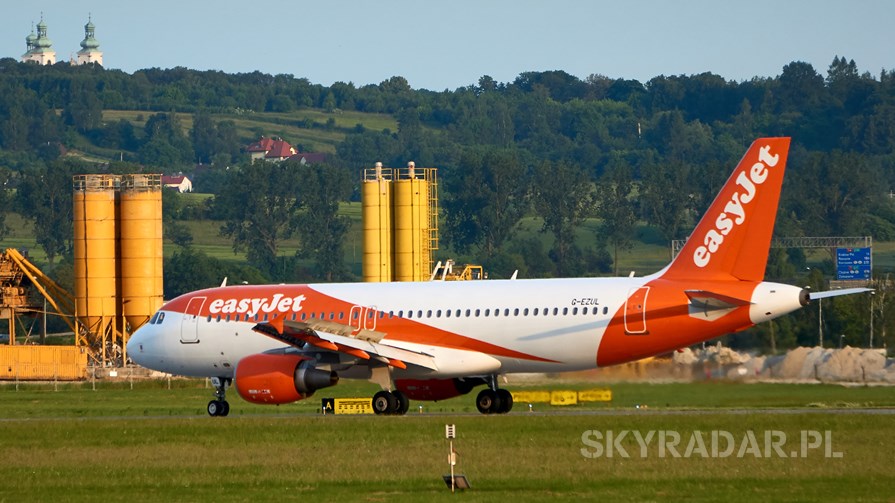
[[733, 238]]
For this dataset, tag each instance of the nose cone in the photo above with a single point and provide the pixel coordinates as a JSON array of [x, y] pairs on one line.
[[139, 345]]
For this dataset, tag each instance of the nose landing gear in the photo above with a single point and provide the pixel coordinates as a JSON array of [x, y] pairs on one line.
[[219, 407]]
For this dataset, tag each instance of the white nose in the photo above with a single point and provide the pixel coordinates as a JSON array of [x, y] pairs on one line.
[[138, 345]]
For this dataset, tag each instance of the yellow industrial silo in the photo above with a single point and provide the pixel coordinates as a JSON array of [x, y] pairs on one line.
[[414, 211], [140, 259], [95, 255], [376, 213]]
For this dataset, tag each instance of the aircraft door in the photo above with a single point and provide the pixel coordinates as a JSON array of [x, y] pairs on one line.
[[362, 318], [189, 325], [635, 311]]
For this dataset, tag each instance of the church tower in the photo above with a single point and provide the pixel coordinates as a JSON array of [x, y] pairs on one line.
[[90, 52], [40, 47]]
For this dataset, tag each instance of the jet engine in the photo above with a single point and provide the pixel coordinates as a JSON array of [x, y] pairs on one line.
[[280, 378], [437, 389]]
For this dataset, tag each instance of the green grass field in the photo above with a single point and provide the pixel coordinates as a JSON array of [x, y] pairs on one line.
[[292, 127], [152, 443]]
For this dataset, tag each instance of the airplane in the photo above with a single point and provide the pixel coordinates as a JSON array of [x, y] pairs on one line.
[[436, 340]]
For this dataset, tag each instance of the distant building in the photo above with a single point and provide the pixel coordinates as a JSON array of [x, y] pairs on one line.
[[278, 150], [89, 52], [180, 183], [40, 47]]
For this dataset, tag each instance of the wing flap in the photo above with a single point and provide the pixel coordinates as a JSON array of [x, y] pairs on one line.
[[298, 333]]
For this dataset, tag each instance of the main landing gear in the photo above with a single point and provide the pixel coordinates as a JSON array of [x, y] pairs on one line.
[[392, 403], [494, 400], [219, 406]]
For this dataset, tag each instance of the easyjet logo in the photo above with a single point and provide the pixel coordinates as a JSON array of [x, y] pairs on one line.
[[277, 303], [734, 213]]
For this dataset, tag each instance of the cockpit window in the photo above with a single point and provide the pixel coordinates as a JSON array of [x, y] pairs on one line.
[[157, 318]]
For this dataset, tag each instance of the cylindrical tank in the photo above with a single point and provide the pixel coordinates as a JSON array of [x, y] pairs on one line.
[[376, 199], [94, 247], [140, 261], [411, 210]]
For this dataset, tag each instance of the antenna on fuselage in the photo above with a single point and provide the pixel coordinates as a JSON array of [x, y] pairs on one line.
[[224, 283]]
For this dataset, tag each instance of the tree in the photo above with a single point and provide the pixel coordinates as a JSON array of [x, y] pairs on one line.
[[45, 196], [187, 270], [5, 200], [485, 199], [563, 196], [165, 143], [257, 203], [321, 228], [616, 209]]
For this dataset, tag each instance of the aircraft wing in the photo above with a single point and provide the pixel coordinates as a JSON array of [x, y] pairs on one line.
[[364, 344]]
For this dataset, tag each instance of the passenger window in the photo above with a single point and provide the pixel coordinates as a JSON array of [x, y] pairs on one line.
[[467, 313], [605, 310], [565, 311], [506, 312], [419, 313], [447, 314], [595, 310], [209, 319], [487, 312], [555, 311], [496, 313], [535, 312], [525, 312], [438, 313], [429, 313]]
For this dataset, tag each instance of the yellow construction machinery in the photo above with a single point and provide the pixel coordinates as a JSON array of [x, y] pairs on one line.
[[26, 292]]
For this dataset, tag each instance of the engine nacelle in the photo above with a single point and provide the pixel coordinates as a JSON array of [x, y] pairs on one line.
[[277, 379], [436, 389]]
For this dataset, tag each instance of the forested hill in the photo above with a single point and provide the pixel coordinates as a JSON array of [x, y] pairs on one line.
[[547, 144]]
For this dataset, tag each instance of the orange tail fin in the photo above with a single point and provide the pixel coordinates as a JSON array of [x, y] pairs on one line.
[[733, 238]]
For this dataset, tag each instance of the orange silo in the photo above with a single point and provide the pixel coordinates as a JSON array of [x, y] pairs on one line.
[[140, 253], [95, 254]]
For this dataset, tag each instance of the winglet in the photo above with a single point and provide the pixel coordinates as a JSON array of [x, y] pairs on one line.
[[734, 235]]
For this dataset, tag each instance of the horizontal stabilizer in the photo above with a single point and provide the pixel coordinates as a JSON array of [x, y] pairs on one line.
[[836, 293]]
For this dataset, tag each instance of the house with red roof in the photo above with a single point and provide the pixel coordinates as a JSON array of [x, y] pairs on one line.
[[180, 183], [277, 150]]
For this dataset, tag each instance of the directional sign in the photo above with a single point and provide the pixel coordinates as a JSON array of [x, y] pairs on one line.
[[853, 263]]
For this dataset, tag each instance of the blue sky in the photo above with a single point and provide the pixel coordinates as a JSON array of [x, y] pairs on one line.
[[450, 44]]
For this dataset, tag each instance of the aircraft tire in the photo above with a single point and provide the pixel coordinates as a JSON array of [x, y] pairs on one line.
[[488, 401], [384, 403], [506, 401], [403, 403]]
